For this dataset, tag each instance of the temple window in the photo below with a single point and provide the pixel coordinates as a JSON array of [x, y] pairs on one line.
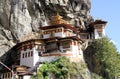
[[44, 32], [25, 47], [33, 45], [99, 26], [66, 44], [23, 55], [44, 47], [51, 46], [74, 43], [31, 53], [56, 30], [64, 50], [30, 46], [11, 74], [39, 53], [48, 32], [5, 75], [41, 47], [8, 75], [28, 54], [59, 30], [52, 34]]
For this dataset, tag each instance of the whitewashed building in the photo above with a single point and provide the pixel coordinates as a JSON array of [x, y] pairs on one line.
[[99, 28], [58, 39]]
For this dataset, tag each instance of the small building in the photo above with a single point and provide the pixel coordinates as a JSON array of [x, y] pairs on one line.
[[58, 30], [99, 28]]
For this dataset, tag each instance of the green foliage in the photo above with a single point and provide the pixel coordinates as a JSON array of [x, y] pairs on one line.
[[106, 58], [95, 76], [61, 68]]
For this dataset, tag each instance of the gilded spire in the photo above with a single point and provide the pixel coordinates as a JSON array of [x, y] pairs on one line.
[[58, 20]]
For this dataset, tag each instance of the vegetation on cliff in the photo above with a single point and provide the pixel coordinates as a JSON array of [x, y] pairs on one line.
[[102, 58], [61, 68]]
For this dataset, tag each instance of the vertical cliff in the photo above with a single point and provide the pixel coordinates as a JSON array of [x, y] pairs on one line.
[[21, 17]]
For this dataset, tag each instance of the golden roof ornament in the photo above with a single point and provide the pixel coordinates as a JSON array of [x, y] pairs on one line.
[[58, 20]]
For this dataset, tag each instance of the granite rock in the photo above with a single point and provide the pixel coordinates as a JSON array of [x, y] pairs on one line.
[[21, 17]]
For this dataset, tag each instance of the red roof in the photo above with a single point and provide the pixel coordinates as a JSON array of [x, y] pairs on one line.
[[19, 44], [59, 25], [60, 38], [73, 37], [99, 22]]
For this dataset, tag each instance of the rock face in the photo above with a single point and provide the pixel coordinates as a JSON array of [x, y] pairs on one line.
[[21, 17]]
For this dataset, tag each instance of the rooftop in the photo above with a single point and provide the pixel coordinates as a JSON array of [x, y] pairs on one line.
[[98, 21], [68, 26]]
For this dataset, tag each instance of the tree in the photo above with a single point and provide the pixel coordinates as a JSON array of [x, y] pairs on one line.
[[105, 58]]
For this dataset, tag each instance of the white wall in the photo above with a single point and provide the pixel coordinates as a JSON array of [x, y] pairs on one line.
[[48, 58], [26, 77], [46, 36], [67, 49], [28, 61], [96, 34], [7, 75], [103, 32], [75, 49], [58, 34], [61, 48], [35, 57]]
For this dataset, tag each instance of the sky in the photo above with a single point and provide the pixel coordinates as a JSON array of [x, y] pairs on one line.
[[108, 10]]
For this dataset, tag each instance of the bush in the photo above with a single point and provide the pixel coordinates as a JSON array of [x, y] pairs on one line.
[[60, 69]]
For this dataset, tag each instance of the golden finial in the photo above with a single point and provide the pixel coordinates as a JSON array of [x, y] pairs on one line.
[[58, 20], [57, 17]]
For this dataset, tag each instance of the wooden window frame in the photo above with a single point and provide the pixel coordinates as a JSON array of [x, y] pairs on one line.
[[66, 44], [31, 53], [26, 55], [23, 55]]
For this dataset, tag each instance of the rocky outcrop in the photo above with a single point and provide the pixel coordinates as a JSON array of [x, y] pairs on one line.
[[21, 17]]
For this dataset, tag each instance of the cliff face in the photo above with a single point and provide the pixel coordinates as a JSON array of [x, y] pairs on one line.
[[21, 17]]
